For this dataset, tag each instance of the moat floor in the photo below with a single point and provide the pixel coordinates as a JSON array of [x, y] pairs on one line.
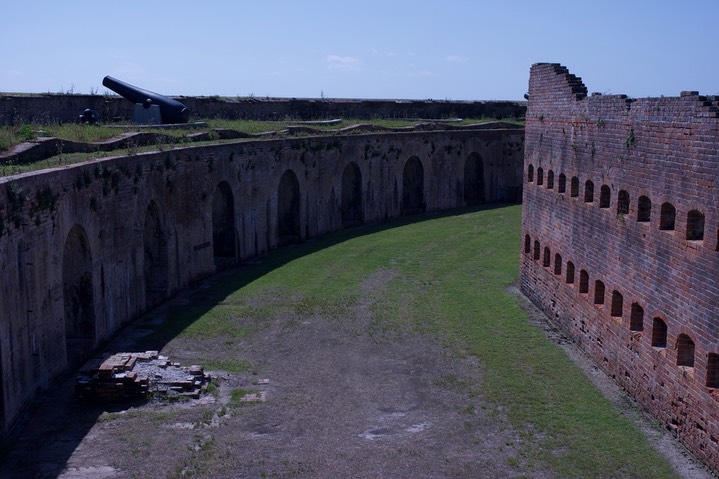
[[361, 373], [338, 403]]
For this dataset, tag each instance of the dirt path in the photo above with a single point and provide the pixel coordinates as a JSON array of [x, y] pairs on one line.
[[341, 401]]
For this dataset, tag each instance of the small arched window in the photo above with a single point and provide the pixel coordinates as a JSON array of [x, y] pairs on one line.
[[530, 174], [659, 333], [589, 192], [598, 292], [583, 282], [547, 257], [550, 180], [636, 320], [562, 186], [527, 244], [695, 226], [644, 209], [685, 351], [557, 264], [537, 250], [540, 176], [713, 370], [605, 195], [574, 187], [667, 217], [623, 203], [617, 304], [570, 273]]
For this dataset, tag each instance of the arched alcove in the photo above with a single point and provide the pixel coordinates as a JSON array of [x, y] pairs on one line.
[[223, 225], [156, 268], [288, 208], [474, 180], [413, 187], [351, 196], [78, 295]]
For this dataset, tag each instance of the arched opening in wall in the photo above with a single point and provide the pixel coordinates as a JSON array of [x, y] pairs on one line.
[[550, 180], [223, 226], [474, 180], [713, 370], [156, 267], [536, 250], [78, 296], [413, 187], [351, 196], [540, 176], [598, 292], [530, 174], [685, 351], [583, 282], [570, 273], [659, 333], [527, 244], [636, 318], [547, 257], [589, 192], [562, 183], [557, 263], [667, 217], [644, 209], [617, 304], [288, 209], [2, 395], [622, 203], [695, 226], [605, 195], [574, 187]]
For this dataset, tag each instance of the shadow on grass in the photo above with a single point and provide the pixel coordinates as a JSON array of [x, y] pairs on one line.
[[235, 278]]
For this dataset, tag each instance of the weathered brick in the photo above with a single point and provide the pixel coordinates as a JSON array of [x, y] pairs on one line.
[[664, 149]]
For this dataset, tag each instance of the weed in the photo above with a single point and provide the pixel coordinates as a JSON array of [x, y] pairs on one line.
[[630, 139], [213, 388], [26, 133], [236, 396]]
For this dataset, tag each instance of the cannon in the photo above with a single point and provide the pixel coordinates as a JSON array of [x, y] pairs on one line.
[[172, 111]]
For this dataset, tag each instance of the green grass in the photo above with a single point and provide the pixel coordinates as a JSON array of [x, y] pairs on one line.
[[11, 136], [463, 262], [236, 396]]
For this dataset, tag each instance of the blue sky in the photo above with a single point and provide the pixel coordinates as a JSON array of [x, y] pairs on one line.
[[442, 49]]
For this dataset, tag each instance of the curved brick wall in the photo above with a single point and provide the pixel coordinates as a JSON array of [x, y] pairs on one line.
[[86, 248], [602, 255]]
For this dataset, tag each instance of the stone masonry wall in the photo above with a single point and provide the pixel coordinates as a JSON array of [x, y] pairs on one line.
[[87, 247], [620, 241]]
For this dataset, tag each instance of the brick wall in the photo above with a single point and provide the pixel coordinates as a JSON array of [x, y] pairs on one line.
[[87, 247], [16, 109], [602, 253]]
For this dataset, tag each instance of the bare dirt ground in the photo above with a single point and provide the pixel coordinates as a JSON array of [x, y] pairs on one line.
[[340, 402]]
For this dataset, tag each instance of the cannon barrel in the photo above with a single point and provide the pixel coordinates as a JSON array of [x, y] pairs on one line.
[[172, 111]]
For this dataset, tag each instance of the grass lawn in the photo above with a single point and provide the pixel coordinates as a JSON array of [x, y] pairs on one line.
[[449, 276]]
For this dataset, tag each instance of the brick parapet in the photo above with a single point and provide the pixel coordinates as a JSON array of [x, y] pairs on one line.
[[666, 149], [16, 109]]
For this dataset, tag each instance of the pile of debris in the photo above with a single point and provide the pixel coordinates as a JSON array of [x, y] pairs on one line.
[[124, 376]]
